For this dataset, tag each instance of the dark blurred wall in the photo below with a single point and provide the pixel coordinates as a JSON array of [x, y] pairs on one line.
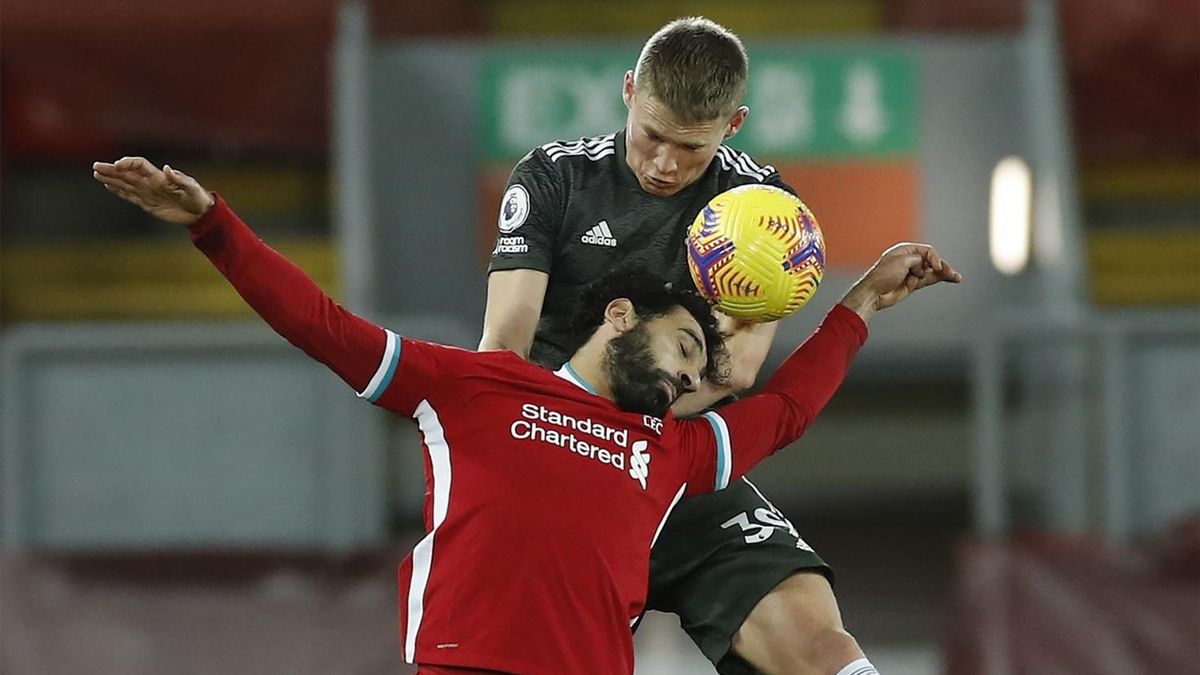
[[83, 77], [87, 77], [1133, 67]]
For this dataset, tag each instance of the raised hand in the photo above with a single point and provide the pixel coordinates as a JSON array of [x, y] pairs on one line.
[[900, 271], [165, 193]]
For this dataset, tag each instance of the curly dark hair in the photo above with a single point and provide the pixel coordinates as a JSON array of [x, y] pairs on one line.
[[652, 297]]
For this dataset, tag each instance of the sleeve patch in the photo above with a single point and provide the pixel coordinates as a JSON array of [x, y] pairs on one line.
[[514, 209]]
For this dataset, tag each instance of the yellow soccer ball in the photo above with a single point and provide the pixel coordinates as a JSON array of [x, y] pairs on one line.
[[756, 252]]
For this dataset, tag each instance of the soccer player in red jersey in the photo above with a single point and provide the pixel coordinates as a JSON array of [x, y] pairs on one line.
[[546, 489]]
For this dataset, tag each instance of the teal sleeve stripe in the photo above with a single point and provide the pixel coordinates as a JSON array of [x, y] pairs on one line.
[[724, 449], [387, 369]]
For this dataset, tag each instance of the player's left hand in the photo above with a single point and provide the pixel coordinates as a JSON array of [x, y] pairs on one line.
[[165, 193], [902, 270]]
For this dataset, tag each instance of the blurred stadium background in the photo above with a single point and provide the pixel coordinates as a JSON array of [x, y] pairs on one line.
[[1007, 484]]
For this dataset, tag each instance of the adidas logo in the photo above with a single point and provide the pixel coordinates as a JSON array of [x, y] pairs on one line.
[[599, 235]]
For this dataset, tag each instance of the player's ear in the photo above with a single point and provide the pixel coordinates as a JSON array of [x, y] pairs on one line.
[[736, 122], [627, 89], [620, 314]]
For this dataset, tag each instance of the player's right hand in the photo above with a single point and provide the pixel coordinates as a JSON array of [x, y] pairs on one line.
[[899, 272], [164, 193]]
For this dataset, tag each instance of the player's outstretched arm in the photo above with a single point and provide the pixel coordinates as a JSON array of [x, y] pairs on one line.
[[275, 288], [901, 271], [749, 430], [165, 193]]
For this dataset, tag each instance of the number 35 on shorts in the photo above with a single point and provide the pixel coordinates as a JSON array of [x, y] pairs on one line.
[[764, 523]]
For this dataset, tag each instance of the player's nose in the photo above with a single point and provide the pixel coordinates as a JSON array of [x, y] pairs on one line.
[[689, 378], [665, 161]]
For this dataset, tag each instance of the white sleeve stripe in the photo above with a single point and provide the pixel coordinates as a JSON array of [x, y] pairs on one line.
[[386, 371], [858, 667], [594, 148], [434, 436], [740, 162], [750, 163], [730, 162], [580, 142], [751, 166], [745, 162], [578, 146], [724, 449], [661, 523], [580, 150], [554, 157]]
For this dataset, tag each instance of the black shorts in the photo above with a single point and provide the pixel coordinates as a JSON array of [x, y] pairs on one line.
[[717, 556]]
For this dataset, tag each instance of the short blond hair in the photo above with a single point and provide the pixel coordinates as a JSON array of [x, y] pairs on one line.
[[696, 67]]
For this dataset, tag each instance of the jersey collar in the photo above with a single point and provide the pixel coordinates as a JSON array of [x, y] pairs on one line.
[[568, 373], [623, 170]]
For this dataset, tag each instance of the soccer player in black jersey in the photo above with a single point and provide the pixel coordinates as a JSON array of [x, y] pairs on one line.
[[748, 590]]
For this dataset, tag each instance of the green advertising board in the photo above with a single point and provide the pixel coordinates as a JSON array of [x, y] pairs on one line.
[[824, 104]]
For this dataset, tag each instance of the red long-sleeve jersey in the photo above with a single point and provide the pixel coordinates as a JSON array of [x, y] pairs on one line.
[[543, 500]]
